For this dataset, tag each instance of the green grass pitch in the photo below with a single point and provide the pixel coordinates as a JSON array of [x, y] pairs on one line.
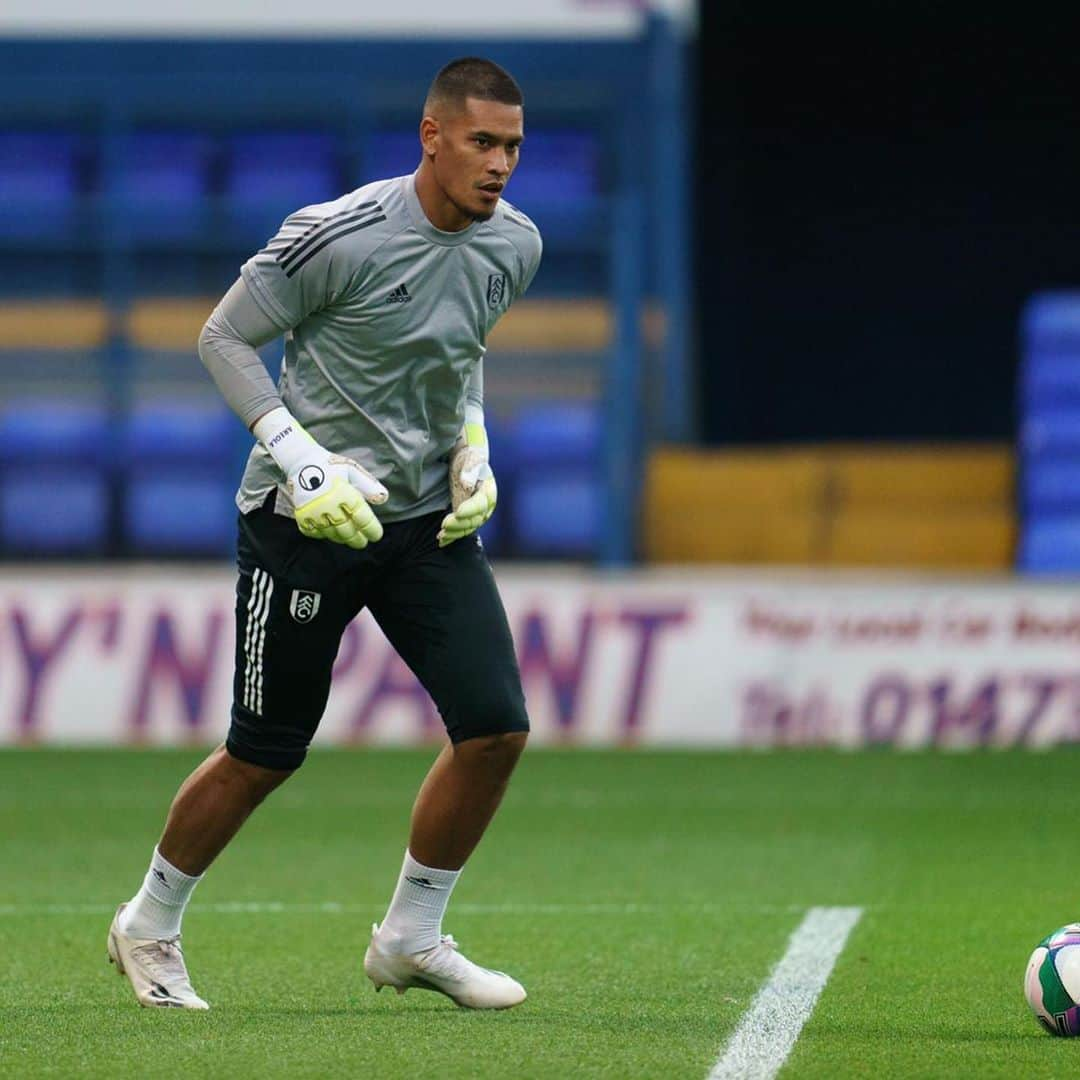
[[642, 898]]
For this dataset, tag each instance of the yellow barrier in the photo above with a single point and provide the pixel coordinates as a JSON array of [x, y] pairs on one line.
[[871, 475], [173, 324], [906, 506], [964, 537], [167, 324], [739, 534], [771, 477], [530, 325], [53, 324]]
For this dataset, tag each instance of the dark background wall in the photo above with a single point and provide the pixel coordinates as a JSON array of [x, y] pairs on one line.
[[879, 191]]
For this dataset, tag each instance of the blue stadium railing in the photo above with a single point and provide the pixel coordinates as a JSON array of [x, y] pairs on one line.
[[626, 96]]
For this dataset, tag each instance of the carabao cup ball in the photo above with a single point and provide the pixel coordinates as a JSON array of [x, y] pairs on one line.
[[1052, 981]]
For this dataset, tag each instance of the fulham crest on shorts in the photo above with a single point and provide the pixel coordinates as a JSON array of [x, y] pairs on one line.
[[304, 605]]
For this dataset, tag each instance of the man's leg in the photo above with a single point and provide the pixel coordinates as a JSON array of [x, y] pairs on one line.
[[453, 808], [443, 614], [459, 797], [211, 805], [284, 657], [208, 810]]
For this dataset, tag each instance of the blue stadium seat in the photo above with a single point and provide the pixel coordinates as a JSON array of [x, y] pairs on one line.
[[1051, 433], [556, 449], [558, 432], [188, 432], [178, 496], [1051, 485], [1051, 320], [390, 153], [557, 168], [54, 430], [163, 182], [1050, 379], [70, 510], [1049, 441], [39, 183], [179, 512], [271, 175], [1051, 544], [558, 514]]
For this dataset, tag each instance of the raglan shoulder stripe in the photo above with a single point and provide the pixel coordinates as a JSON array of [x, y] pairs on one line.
[[328, 236], [316, 231], [514, 216], [518, 218], [291, 230]]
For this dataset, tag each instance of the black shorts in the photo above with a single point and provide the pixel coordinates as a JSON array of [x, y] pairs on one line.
[[438, 607]]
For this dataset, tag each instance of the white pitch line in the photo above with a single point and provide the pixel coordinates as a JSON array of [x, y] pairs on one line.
[[333, 907], [767, 1033]]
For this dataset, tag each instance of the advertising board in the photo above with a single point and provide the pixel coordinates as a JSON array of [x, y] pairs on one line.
[[708, 660]]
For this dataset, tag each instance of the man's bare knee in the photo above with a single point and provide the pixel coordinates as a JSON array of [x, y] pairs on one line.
[[259, 780], [497, 753]]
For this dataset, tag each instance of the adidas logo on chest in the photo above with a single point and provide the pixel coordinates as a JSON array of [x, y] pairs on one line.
[[400, 295]]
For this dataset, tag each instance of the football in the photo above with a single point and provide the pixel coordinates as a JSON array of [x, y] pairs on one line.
[[1052, 981]]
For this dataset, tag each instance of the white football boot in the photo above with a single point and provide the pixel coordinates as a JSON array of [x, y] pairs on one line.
[[156, 969], [445, 970]]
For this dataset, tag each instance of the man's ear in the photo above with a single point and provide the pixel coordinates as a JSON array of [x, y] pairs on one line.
[[429, 134]]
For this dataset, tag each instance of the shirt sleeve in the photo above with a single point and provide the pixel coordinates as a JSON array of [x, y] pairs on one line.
[[531, 261], [227, 344], [301, 270], [474, 395]]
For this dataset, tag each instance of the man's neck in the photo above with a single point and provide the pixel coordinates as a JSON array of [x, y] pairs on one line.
[[438, 209]]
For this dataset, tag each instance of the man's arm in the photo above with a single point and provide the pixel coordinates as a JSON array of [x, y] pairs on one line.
[[330, 494], [227, 344]]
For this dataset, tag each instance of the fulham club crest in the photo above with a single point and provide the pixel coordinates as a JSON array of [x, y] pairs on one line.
[[304, 605], [496, 289]]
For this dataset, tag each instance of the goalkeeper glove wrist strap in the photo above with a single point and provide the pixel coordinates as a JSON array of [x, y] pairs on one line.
[[475, 434], [284, 438]]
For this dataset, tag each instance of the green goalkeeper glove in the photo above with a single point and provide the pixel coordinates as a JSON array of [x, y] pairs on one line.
[[473, 493], [330, 494]]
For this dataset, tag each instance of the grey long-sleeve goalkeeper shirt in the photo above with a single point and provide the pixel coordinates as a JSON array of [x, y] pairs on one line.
[[385, 320]]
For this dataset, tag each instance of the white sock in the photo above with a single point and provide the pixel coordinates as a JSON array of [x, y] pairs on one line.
[[157, 908], [413, 922]]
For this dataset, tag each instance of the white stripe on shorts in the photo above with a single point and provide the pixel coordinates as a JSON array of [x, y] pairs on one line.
[[261, 644], [249, 630], [262, 587]]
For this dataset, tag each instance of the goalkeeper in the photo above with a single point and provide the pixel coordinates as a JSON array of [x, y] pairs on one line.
[[367, 482]]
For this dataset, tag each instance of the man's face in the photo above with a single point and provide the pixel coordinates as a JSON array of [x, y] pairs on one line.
[[475, 149]]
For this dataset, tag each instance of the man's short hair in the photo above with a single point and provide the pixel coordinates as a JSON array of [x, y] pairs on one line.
[[472, 77]]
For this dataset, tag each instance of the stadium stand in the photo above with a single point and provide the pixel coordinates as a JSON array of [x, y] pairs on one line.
[[268, 175], [72, 521], [389, 153], [179, 512], [39, 183], [132, 213], [179, 477], [558, 494], [54, 476], [159, 192], [1049, 443]]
